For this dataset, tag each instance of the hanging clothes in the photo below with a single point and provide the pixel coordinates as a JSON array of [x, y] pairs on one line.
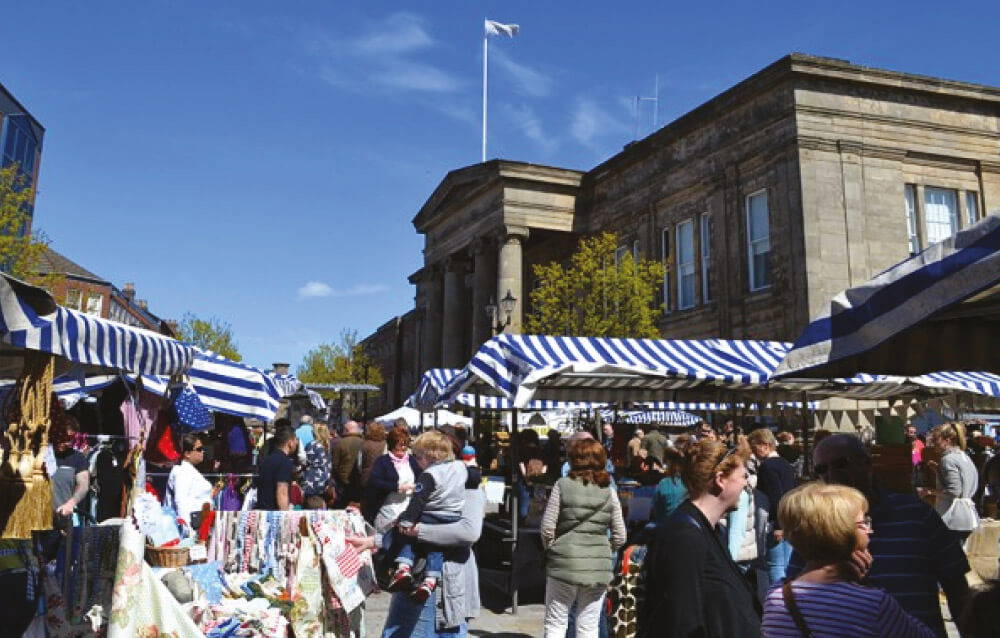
[[110, 480]]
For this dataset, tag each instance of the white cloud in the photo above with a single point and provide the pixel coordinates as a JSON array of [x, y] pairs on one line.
[[385, 57], [591, 123], [528, 81], [315, 289], [524, 117], [399, 33]]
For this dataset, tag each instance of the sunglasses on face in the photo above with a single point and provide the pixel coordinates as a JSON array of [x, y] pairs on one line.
[[198, 449]]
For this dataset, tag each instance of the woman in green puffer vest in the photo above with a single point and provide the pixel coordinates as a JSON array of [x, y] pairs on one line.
[[581, 512]]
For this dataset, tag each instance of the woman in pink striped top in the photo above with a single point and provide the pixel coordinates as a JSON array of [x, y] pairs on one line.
[[827, 525]]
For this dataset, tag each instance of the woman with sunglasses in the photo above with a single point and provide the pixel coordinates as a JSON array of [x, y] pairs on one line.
[[693, 587], [187, 489], [828, 525]]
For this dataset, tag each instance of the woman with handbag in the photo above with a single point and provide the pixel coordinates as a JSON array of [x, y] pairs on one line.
[[581, 510], [957, 480], [829, 527]]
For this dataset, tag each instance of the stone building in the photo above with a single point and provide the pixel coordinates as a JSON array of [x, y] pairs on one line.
[[808, 177]]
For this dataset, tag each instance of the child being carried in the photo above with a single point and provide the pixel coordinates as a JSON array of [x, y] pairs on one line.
[[438, 497]]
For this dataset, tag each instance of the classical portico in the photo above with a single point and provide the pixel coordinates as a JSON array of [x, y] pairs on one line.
[[476, 225]]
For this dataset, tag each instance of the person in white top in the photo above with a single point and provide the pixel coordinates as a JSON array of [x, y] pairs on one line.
[[187, 489]]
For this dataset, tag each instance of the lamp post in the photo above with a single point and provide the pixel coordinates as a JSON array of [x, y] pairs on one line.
[[506, 309]]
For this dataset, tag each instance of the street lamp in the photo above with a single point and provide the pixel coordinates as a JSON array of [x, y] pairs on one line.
[[507, 305]]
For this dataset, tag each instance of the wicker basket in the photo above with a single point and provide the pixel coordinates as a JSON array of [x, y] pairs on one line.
[[167, 556]]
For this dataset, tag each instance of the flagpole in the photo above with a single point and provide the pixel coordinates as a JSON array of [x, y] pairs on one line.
[[485, 58]]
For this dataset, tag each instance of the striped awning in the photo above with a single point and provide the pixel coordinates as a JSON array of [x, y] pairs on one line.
[[938, 310], [226, 386], [287, 384], [433, 382], [523, 369], [68, 384], [646, 417], [593, 369], [30, 319]]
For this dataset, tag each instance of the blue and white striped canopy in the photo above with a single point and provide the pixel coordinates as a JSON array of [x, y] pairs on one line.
[[645, 417], [521, 367], [32, 322], [934, 311], [433, 382], [287, 384], [603, 369], [68, 384], [226, 386]]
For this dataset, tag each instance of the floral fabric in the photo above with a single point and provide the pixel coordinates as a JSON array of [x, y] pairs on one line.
[[316, 476]]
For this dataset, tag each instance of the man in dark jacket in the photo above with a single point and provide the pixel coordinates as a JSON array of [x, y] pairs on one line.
[[655, 444], [346, 461]]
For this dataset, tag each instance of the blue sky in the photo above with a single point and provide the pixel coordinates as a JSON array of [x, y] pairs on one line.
[[261, 162]]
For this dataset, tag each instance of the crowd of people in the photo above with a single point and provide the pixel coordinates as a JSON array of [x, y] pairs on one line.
[[741, 540]]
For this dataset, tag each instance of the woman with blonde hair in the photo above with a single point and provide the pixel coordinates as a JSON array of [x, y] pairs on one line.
[[316, 475], [574, 529], [829, 526], [957, 480], [693, 587]]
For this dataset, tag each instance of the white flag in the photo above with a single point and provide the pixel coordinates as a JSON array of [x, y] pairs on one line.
[[499, 28]]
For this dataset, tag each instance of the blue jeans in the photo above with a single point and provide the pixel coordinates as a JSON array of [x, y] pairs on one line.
[[777, 561], [410, 619], [410, 549], [523, 497]]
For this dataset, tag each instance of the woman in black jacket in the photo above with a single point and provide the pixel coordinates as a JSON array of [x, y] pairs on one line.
[[391, 481], [693, 587]]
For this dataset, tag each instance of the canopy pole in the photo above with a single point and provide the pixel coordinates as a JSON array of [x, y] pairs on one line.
[[514, 462], [477, 417], [806, 454]]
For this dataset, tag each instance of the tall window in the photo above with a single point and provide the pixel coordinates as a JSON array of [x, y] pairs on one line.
[[665, 252], [95, 303], [910, 195], [758, 241], [73, 298], [705, 230], [620, 253], [940, 213], [971, 208], [685, 265], [19, 144]]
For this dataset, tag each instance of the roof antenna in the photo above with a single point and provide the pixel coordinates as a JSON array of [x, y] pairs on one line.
[[656, 107]]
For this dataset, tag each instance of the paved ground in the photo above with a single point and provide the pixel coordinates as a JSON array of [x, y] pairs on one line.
[[497, 622], [494, 620]]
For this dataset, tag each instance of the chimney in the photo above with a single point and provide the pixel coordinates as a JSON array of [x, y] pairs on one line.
[[280, 368], [129, 290], [142, 303]]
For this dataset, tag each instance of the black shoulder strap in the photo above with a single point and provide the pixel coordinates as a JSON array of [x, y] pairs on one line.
[[793, 609]]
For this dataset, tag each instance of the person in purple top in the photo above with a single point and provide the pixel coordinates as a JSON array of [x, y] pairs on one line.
[[829, 526], [914, 554]]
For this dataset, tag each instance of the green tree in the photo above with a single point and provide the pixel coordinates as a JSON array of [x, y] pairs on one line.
[[594, 296], [209, 334], [342, 362], [20, 252]]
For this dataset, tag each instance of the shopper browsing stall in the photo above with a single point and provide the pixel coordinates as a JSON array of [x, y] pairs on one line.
[[275, 479], [187, 490]]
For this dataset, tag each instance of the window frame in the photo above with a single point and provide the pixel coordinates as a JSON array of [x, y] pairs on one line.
[[972, 214], [910, 197], [685, 266], [705, 253], [79, 298], [100, 304], [751, 274], [956, 215], [665, 234]]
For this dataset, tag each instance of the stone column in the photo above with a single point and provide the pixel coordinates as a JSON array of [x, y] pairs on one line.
[[430, 356], [484, 255], [510, 276], [453, 321]]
